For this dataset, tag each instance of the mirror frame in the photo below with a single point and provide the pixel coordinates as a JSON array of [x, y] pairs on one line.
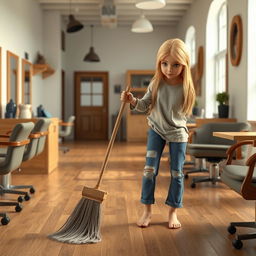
[[0, 82], [26, 62], [236, 26], [8, 91]]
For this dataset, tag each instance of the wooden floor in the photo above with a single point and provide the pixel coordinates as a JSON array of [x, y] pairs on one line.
[[207, 210]]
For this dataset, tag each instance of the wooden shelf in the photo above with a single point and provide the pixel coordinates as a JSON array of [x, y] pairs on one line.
[[136, 123], [45, 69]]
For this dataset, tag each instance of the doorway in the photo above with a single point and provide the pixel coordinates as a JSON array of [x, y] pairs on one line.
[[91, 105]]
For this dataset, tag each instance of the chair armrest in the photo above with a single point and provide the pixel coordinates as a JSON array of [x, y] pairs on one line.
[[230, 152], [14, 143], [34, 135], [43, 133], [191, 133], [66, 124], [4, 136], [248, 191]]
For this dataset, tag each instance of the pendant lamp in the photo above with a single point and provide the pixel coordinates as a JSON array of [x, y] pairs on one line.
[[142, 25], [73, 24], [91, 56], [150, 4]]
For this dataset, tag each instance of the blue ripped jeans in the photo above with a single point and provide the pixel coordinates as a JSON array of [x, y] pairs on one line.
[[177, 150]]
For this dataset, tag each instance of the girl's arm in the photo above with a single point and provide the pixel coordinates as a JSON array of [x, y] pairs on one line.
[[141, 105]]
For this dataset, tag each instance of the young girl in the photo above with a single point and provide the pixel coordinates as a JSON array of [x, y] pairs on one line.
[[169, 99]]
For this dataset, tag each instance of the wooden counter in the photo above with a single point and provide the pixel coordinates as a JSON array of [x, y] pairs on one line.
[[47, 161]]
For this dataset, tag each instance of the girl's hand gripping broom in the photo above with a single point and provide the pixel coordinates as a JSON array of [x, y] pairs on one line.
[[83, 225]]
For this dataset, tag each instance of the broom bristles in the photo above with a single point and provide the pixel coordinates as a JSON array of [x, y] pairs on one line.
[[83, 225]]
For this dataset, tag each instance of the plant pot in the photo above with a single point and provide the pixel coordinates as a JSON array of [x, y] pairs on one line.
[[223, 111], [196, 111]]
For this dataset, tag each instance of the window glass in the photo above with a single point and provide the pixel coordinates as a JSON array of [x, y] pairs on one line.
[[191, 44]]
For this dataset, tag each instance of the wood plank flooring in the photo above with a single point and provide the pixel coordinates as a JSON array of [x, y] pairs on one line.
[[207, 210]]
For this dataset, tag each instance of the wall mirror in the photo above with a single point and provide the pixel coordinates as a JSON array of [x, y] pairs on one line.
[[236, 40], [26, 82], [12, 77]]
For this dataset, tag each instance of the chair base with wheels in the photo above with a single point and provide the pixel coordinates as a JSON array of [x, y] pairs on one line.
[[18, 206], [5, 218], [232, 230], [201, 167], [7, 188], [214, 175]]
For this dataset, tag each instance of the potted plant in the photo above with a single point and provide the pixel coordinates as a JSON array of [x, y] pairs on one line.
[[195, 110], [223, 108]]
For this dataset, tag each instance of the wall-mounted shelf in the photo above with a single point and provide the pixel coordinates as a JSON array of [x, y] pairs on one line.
[[45, 69]]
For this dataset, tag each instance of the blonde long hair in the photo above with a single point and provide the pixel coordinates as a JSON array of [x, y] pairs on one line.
[[175, 48]]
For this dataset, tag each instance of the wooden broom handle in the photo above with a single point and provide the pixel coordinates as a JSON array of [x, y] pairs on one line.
[[112, 139]]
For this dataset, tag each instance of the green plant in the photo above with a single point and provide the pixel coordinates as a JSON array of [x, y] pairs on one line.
[[222, 98]]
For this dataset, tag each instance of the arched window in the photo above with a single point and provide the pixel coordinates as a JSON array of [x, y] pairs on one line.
[[216, 49], [190, 41], [220, 55]]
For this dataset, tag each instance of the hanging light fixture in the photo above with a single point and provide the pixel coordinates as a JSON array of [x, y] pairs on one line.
[[73, 24], [142, 25], [150, 4], [91, 56]]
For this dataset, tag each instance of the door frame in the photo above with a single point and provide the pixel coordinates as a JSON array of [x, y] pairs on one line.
[[63, 93], [77, 74]]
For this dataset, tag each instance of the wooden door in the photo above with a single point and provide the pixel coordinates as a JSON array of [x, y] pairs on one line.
[[63, 95], [91, 105]]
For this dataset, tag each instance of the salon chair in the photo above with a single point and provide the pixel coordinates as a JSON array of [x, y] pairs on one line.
[[35, 147], [205, 146], [241, 179], [65, 129], [12, 160]]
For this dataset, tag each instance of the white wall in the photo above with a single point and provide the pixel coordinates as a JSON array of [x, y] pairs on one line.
[[196, 16], [21, 31], [119, 50], [52, 49], [25, 28], [237, 76]]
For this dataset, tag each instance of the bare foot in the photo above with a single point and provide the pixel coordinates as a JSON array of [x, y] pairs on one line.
[[145, 219], [173, 220]]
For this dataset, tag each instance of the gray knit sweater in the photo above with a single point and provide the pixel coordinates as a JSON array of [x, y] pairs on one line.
[[165, 118]]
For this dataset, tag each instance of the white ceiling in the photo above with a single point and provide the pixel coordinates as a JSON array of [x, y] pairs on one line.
[[89, 11]]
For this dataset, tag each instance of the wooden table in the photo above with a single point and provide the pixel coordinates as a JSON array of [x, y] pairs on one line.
[[237, 136], [191, 125]]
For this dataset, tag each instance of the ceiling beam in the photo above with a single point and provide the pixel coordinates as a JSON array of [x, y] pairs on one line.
[[54, 6], [115, 1]]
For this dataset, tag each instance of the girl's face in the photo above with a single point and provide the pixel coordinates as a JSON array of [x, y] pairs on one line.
[[170, 68]]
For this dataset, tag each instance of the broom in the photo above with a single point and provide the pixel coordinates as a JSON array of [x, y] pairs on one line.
[[83, 225]]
